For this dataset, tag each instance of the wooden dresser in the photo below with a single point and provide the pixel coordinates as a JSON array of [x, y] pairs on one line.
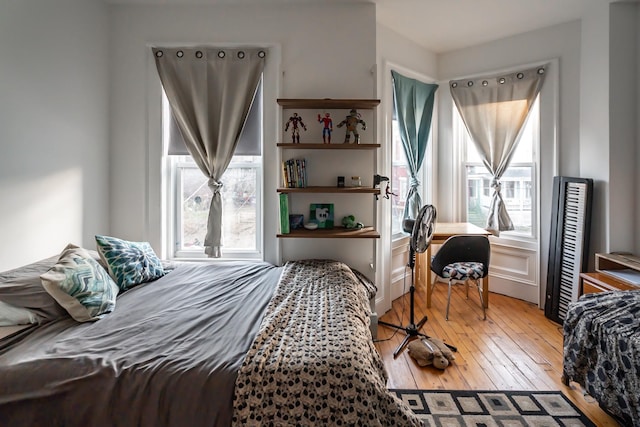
[[614, 272]]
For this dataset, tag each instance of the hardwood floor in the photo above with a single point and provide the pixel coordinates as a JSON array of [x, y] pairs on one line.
[[516, 348]]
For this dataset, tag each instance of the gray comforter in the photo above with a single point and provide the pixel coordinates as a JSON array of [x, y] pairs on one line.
[[167, 356], [293, 343]]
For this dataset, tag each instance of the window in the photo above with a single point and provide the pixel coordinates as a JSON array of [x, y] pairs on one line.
[[189, 197], [518, 182]]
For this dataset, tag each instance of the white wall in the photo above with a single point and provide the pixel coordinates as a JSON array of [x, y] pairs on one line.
[[623, 75], [594, 118], [53, 126], [320, 51], [608, 113]]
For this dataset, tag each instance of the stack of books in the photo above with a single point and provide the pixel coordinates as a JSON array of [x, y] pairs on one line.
[[294, 173]]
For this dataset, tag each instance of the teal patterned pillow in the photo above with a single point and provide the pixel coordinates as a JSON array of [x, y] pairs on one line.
[[130, 263], [80, 285]]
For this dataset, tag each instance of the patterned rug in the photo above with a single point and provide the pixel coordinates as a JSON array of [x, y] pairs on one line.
[[493, 408]]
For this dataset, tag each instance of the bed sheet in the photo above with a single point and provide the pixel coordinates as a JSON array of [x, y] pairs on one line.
[[167, 356]]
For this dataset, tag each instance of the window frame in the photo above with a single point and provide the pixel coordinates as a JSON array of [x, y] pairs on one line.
[[172, 165]]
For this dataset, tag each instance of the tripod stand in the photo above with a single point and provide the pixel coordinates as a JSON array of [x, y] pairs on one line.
[[421, 231], [412, 329]]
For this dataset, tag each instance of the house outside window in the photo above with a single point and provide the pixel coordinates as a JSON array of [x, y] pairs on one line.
[[189, 198], [518, 182]]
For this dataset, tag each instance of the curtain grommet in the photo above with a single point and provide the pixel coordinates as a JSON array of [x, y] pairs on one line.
[[485, 83], [221, 54], [470, 83], [540, 70], [179, 54], [262, 54], [454, 85], [502, 80], [199, 54], [241, 55], [520, 75], [159, 54]]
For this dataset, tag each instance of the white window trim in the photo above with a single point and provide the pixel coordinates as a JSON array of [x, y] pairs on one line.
[[157, 190], [458, 130], [427, 187], [388, 248], [547, 159], [173, 205]]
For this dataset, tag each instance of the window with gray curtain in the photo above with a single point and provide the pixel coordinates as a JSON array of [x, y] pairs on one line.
[[210, 91], [494, 110], [413, 102]]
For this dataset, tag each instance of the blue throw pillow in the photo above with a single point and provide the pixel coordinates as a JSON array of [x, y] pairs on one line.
[[80, 285], [130, 263]]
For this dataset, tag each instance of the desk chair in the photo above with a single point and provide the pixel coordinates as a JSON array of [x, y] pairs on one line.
[[461, 259]]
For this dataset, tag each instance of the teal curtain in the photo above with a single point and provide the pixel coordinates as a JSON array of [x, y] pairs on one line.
[[413, 101]]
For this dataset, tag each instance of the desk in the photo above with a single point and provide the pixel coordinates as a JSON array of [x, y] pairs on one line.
[[443, 231]]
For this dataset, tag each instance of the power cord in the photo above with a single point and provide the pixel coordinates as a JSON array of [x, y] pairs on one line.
[[404, 291]]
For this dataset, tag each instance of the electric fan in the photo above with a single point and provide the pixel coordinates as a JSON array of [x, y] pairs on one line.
[[421, 229]]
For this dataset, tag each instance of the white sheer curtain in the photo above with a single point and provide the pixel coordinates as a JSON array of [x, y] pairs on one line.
[[494, 110], [210, 91]]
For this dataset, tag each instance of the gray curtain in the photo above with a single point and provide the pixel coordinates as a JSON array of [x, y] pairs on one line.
[[413, 101], [494, 110], [210, 91]]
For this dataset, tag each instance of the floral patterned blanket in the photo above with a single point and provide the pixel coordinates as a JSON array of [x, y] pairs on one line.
[[602, 351], [313, 361]]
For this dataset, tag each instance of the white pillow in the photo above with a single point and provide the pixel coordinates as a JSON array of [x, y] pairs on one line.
[[80, 285], [11, 315]]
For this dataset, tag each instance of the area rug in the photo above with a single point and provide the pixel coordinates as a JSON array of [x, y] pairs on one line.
[[493, 408]]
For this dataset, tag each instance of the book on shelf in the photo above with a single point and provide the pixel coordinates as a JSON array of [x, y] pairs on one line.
[[284, 213], [294, 173]]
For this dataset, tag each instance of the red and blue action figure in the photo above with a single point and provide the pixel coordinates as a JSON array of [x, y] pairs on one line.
[[327, 127]]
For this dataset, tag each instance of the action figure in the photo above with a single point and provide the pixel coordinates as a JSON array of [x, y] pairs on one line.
[[295, 131], [328, 127], [352, 121]]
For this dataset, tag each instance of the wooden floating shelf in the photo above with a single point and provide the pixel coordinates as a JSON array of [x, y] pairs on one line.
[[333, 233], [335, 146], [328, 103], [318, 189]]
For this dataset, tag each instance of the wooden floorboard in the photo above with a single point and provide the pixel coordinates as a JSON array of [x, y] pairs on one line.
[[516, 348]]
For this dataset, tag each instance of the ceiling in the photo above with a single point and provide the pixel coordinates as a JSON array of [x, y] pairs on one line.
[[445, 25]]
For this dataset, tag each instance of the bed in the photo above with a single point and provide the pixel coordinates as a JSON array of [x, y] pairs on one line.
[[204, 344], [602, 351]]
